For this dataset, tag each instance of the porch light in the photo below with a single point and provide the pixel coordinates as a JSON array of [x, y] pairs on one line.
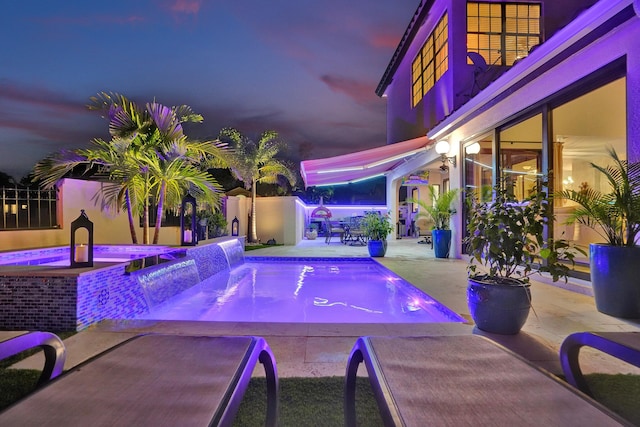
[[473, 148], [442, 148]]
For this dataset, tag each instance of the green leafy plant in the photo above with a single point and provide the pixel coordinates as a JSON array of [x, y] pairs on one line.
[[507, 238], [376, 227], [441, 208], [616, 215]]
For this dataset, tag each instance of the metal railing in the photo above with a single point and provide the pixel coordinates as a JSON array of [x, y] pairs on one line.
[[28, 208]]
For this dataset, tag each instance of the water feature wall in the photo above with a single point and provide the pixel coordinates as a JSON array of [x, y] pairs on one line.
[[162, 282], [234, 252], [63, 299]]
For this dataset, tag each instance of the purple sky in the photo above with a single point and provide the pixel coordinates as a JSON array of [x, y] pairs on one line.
[[305, 68]]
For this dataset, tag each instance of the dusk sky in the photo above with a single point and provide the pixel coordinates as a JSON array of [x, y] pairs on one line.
[[305, 68]]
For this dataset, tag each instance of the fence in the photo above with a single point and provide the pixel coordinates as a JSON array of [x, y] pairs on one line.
[[28, 208]]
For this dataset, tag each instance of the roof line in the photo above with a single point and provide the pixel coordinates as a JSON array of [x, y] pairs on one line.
[[404, 44]]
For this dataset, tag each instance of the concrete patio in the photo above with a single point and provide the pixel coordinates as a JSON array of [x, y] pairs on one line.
[[322, 349]]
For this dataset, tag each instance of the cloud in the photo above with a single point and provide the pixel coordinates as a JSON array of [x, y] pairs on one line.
[[90, 20], [361, 92], [36, 96], [186, 7]]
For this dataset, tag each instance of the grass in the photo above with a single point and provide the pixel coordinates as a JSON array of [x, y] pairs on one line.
[[318, 401], [308, 402], [254, 246]]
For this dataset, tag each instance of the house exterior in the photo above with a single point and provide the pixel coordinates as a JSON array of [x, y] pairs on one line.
[[518, 89]]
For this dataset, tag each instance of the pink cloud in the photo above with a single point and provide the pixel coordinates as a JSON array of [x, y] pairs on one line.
[[187, 7], [384, 40], [360, 92]]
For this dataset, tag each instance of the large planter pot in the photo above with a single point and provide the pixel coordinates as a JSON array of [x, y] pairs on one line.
[[377, 248], [499, 308], [615, 279], [441, 243]]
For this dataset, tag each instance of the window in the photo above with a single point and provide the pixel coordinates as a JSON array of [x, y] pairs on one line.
[[431, 62], [502, 32]]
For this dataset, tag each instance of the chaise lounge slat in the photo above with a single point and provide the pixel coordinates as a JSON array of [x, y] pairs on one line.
[[153, 380], [464, 381], [622, 345]]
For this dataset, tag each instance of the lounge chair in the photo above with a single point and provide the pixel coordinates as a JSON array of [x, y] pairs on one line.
[[464, 380], [51, 344], [153, 380], [622, 345]]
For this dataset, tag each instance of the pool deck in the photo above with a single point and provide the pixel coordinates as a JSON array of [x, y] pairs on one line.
[[322, 349]]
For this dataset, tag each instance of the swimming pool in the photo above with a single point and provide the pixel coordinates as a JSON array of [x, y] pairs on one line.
[[304, 290]]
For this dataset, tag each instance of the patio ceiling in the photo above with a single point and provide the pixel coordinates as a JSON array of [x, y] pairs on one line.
[[361, 165]]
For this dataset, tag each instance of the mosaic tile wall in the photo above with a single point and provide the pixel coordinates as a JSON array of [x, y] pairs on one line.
[[78, 301], [38, 303]]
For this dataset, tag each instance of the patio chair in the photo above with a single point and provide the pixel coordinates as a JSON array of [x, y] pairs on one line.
[[464, 380], [153, 380], [622, 345], [332, 230]]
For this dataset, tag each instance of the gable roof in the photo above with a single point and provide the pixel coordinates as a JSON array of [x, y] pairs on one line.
[[413, 27]]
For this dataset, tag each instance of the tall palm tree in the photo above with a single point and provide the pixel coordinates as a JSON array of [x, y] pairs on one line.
[[256, 162], [149, 157]]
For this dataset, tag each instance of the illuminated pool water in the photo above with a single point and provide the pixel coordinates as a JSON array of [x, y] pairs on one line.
[[59, 256], [307, 290]]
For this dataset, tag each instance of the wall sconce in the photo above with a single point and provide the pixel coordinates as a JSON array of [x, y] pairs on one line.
[[473, 148], [235, 226], [81, 255], [442, 148]]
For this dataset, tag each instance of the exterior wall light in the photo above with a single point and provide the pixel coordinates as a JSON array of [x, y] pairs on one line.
[[442, 148], [473, 148]]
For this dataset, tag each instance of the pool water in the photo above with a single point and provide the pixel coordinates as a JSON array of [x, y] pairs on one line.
[[59, 256], [313, 290]]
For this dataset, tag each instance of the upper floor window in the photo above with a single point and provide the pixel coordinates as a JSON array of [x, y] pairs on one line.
[[502, 32], [431, 62]]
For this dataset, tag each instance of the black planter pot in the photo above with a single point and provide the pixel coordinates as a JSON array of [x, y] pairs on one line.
[[615, 279], [441, 243], [499, 308], [377, 248]]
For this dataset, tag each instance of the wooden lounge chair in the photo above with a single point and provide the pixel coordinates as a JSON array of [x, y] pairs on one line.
[[153, 380], [622, 345], [464, 380]]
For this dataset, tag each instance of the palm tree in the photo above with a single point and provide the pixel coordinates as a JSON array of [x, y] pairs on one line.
[[149, 157], [254, 163], [114, 163], [162, 148], [440, 209]]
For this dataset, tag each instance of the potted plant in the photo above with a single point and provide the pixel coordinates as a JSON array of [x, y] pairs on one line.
[[507, 243], [376, 228], [439, 211], [615, 216]]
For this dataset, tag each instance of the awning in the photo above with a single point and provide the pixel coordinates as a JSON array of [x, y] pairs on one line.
[[361, 165]]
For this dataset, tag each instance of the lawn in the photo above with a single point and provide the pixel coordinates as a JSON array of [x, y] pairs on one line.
[[318, 401]]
